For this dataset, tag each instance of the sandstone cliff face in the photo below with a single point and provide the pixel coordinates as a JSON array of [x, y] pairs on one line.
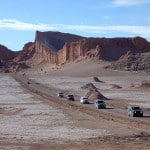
[[59, 48], [47, 44], [110, 49]]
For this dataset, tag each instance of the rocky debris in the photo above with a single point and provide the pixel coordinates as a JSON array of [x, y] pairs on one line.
[[12, 66], [95, 94], [132, 62], [22, 66], [94, 53]]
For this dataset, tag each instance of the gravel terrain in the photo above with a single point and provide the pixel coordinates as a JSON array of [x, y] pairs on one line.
[[31, 121]]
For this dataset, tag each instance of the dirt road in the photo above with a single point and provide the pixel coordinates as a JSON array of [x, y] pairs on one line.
[[111, 113], [32, 117]]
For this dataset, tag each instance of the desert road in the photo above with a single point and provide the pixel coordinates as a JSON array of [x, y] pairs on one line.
[[33, 117], [111, 113]]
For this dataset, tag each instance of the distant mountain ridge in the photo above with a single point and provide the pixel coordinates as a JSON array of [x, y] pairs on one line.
[[58, 48]]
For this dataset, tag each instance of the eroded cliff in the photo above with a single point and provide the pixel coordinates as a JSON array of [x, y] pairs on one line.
[[62, 48], [58, 48]]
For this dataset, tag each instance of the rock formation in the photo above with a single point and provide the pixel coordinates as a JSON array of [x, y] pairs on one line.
[[6, 54], [96, 79], [89, 86], [47, 45], [11, 61], [95, 94], [132, 62], [27, 52], [59, 48]]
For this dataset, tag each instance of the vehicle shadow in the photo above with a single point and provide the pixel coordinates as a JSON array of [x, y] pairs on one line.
[[109, 108], [146, 116], [91, 102]]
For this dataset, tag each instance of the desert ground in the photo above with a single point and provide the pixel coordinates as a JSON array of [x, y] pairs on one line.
[[33, 117]]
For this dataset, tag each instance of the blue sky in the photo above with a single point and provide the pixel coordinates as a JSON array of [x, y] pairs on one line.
[[19, 19]]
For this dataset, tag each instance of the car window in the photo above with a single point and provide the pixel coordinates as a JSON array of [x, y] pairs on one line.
[[99, 102], [136, 108]]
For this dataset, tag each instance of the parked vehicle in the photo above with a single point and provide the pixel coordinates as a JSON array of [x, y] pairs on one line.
[[60, 94], [100, 104], [70, 97], [84, 100], [135, 111]]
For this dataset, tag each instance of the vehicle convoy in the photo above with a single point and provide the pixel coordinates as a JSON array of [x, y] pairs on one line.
[[84, 100], [100, 104], [70, 97], [135, 111], [60, 94]]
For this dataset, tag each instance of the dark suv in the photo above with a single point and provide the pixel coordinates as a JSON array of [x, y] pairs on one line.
[[135, 111], [70, 97], [100, 104]]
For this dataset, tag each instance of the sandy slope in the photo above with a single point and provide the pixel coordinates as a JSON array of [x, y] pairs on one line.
[[72, 77]]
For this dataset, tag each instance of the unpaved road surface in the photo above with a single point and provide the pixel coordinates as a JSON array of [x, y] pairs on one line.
[[33, 119]]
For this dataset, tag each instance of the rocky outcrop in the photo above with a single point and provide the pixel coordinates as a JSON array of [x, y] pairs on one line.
[[132, 62], [89, 86], [6, 54], [59, 48], [47, 44], [11, 61], [95, 94], [54, 41], [27, 52]]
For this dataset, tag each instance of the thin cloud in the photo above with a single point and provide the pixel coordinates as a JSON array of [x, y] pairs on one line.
[[130, 2], [127, 29], [19, 25]]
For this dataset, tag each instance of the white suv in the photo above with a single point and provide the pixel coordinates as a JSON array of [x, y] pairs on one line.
[[84, 100]]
